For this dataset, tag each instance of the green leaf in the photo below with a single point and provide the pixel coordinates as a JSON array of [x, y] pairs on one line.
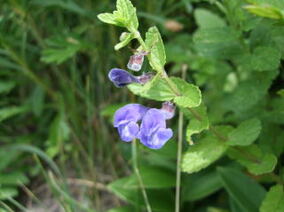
[[206, 19], [274, 200], [14, 178], [190, 94], [151, 177], [239, 101], [204, 152], [246, 133], [6, 86], [160, 200], [265, 10], [66, 5], [37, 101], [195, 125], [61, 48], [254, 159], [125, 39], [156, 47], [265, 58], [126, 10], [157, 89], [7, 192], [108, 18], [58, 133], [6, 113], [200, 185], [222, 42], [247, 193]]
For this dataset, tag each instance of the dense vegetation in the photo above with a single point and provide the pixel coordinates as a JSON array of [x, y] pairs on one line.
[[224, 68]]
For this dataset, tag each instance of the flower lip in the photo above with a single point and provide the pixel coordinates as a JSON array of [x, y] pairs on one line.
[[153, 132], [126, 118], [121, 77]]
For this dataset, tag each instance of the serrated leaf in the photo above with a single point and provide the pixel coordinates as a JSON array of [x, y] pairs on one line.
[[108, 18], [247, 193], [157, 89], [219, 42], [274, 200], [206, 19], [195, 125], [190, 94], [254, 159], [265, 58], [204, 152], [239, 101], [126, 39], [246, 133], [156, 47], [126, 10]]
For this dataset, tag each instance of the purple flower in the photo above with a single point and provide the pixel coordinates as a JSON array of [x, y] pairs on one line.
[[121, 77], [126, 118], [153, 132]]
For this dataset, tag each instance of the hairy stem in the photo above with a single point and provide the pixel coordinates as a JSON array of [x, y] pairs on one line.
[[138, 175]]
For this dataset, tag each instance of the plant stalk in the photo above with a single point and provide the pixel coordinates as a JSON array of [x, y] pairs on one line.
[[178, 170], [138, 175]]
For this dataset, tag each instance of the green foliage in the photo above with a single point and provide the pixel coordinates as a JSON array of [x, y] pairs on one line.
[[190, 95], [254, 159], [247, 193], [155, 45], [61, 48], [245, 134], [200, 185], [200, 155], [156, 89], [273, 200], [124, 16], [197, 125]]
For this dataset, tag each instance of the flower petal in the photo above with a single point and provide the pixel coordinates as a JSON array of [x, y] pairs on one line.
[[158, 139], [128, 131], [130, 112]]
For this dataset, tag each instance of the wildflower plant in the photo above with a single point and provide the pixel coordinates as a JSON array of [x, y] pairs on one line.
[[148, 125]]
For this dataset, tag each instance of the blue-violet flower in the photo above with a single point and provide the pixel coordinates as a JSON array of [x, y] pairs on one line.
[[126, 118], [121, 77], [153, 132]]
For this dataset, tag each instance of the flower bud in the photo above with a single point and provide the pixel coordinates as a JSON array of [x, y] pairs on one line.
[[121, 77], [168, 109]]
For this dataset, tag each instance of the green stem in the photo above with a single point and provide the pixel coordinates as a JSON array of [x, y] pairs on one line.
[[139, 178], [179, 153]]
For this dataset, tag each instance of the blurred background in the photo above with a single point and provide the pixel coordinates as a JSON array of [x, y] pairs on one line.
[[59, 150]]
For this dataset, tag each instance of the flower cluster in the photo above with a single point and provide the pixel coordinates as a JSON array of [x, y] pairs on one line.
[[152, 131], [135, 120]]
